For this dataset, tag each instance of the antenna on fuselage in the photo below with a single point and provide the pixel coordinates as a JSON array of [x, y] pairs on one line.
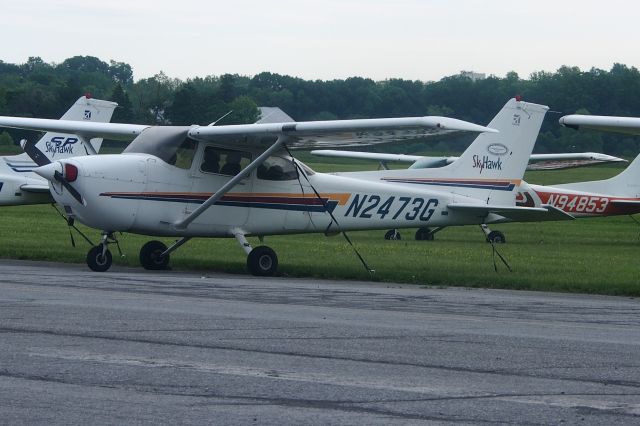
[[220, 119]]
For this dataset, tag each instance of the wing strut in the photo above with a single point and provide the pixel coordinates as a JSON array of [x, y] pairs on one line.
[[182, 224]]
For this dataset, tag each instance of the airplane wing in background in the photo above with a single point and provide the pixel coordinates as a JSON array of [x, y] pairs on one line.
[[627, 125], [86, 129], [536, 161]]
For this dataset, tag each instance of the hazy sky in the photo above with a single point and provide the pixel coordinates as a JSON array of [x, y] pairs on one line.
[[411, 39]]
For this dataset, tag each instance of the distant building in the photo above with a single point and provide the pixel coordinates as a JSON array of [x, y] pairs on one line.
[[473, 75]]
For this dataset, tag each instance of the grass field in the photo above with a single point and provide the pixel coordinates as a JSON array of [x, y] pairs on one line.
[[596, 255]]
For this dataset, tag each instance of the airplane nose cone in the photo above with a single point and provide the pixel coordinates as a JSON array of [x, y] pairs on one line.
[[48, 171]]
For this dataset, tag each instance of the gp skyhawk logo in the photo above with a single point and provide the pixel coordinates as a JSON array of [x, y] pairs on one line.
[[60, 145]]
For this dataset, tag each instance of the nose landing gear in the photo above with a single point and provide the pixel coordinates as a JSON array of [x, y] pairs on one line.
[[99, 257]]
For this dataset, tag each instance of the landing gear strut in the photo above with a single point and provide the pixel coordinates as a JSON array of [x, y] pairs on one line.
[[99, 257]]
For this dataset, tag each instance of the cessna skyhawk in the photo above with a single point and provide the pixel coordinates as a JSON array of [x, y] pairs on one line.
[[238, 181]]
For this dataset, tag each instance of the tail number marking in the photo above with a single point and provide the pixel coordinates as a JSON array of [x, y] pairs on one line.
[[579, 203], [413, 208]]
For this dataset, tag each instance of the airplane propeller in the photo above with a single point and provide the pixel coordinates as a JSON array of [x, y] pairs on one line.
[[68, 174]]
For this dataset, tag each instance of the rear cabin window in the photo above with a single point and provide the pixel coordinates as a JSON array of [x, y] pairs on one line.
[[277, 168], [224, 161]]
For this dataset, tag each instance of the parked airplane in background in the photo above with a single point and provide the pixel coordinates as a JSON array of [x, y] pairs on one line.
[[19, 185], [177, 181]]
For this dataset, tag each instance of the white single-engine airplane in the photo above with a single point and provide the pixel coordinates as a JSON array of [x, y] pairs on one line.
[[19, 185], [237, 181]]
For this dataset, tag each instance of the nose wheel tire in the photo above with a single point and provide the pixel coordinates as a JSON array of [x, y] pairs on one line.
[[150, 256], [262, 261], [496, 237], [392, 234], [97, 261]]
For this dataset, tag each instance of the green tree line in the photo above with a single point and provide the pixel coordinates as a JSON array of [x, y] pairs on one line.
[[40, 89]]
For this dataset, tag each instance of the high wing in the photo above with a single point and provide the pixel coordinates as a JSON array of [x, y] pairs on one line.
[[309, 134], [298, 134], [540, 161], [627, 125], [518, 214]]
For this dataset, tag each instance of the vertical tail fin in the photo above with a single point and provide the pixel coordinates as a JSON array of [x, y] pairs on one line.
[[625, 184], [494, 163], [503, 155], [62, 145]]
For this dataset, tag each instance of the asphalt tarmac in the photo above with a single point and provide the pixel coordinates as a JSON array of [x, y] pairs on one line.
[[133, 347]]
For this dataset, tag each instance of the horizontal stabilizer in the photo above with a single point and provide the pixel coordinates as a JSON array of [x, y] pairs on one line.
[[37, 189], [626, 202], [518, 214]]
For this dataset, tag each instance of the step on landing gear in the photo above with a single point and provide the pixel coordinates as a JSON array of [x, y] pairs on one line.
[[99, 257]]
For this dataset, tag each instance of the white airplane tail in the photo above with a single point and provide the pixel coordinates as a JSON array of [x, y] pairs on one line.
[[494, 164], [625, 184], [57, 145], [503, 155]]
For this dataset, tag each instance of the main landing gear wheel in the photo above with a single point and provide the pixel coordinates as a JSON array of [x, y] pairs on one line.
[[392, 234], [97, 260], [262, 261], [424, 234], [496, 237], [150, 256]]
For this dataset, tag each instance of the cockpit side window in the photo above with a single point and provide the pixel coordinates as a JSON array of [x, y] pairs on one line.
[[277, 168], [183, 158], [224, 161]]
